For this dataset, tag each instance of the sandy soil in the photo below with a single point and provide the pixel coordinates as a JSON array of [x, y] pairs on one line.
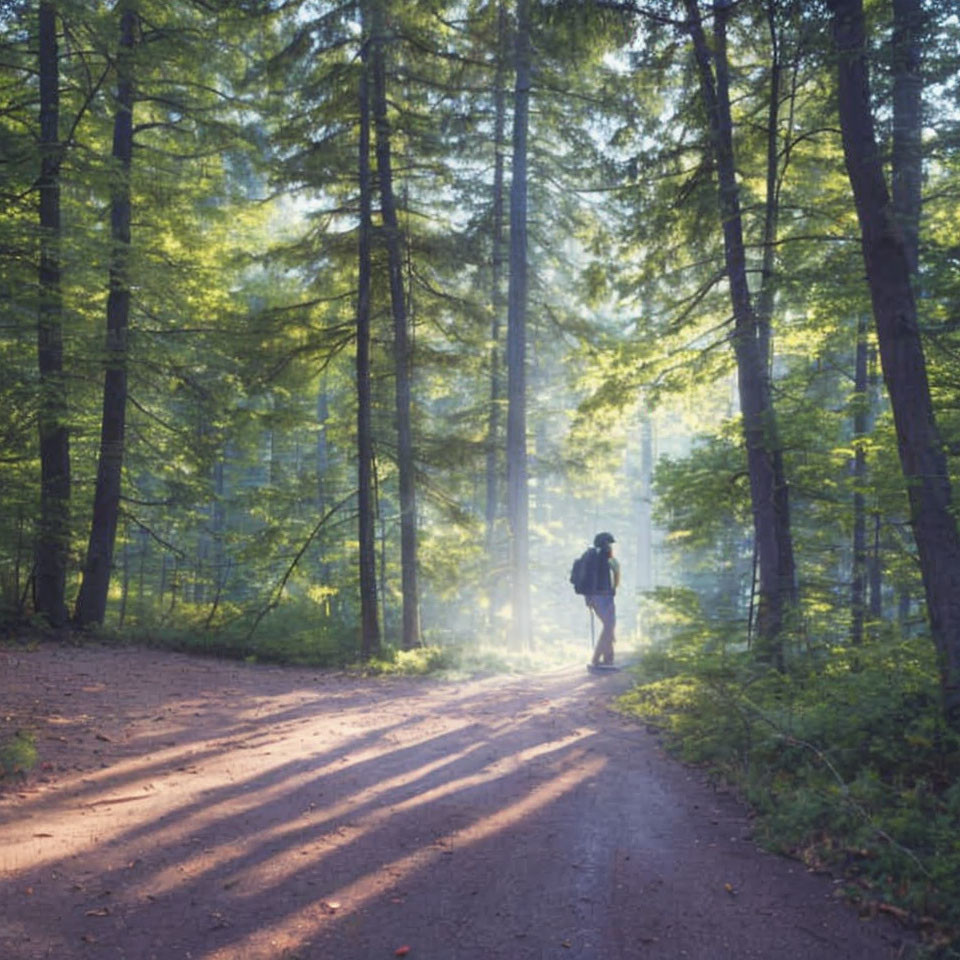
[[188, 808]]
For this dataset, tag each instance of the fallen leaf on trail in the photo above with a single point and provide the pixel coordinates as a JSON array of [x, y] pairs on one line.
[[99, 912], [729, 888], [104, 738], [401, 951], [566, 943], [29, 891], [88, 938], [332, 905]]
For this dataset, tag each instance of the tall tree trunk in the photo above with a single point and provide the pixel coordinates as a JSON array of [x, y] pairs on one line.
[[125, 580], [874, 561], [496, 301], [644, 576], [401, 341], [369, 622], [768, 489], [518, 506], [323, 448], [92, 599], [907, 180], [860, 412], [767, 293], [53, 542], [887, 261]]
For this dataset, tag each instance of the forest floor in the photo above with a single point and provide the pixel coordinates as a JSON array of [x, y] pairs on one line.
[[192, 808]]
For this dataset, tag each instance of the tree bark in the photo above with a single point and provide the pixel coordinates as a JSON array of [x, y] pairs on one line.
[[767, 293], [401, 340], [92, 599], [369, 622], [860, 411], [53, 541], [874, 561], [907, 179], [644, 576], [496, 302], [518, 507], [769, 493], [887, 261]]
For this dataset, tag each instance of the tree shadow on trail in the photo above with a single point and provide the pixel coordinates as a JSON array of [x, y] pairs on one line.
[[341, 805]]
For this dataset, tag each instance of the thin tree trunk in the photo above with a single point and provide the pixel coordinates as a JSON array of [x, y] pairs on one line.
[[401, 343], [163, 581], [496, 302], [53, 542], [141, 570], [323, 447], [174, 586], [92, 599], [18, 560], [860, 405], [875, 573], [874, 562], [125, 582], [518, 506], [222, 576], [887, 261], [369, 622], [381, 521], [644, 577], [768, 489]]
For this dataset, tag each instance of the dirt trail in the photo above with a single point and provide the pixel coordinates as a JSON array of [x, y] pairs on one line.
[[193, 809]]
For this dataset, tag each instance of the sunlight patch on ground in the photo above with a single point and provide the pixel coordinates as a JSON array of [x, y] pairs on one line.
[[133, 799]]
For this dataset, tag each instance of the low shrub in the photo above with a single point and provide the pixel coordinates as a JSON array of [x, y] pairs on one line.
[[18, 754]]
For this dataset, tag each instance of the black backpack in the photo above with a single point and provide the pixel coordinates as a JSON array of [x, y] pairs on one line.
[[583, 575]]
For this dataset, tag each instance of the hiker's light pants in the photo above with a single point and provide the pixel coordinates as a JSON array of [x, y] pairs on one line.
[[606, 610]]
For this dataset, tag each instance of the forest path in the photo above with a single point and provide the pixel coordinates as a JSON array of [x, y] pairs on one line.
[[189, 808]]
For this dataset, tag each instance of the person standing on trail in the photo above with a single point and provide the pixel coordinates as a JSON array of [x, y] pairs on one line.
[[600, 599]]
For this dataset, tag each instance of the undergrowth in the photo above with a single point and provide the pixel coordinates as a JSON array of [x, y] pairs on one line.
[[291, 636], [18, 754], [845, 759]]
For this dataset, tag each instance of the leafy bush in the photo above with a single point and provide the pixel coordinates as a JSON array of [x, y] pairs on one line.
[[18, 754]]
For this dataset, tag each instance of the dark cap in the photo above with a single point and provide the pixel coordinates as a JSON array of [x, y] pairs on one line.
[[602, 539]]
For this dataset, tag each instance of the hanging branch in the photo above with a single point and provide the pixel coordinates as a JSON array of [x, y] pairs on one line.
[[278, 591], [178, 553]]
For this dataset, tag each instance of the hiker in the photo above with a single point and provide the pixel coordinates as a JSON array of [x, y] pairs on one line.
[[601, 601]]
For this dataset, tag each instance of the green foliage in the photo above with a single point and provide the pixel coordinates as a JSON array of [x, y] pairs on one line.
[[18, 754], [297, 632], [846, 760], [411, 663]]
